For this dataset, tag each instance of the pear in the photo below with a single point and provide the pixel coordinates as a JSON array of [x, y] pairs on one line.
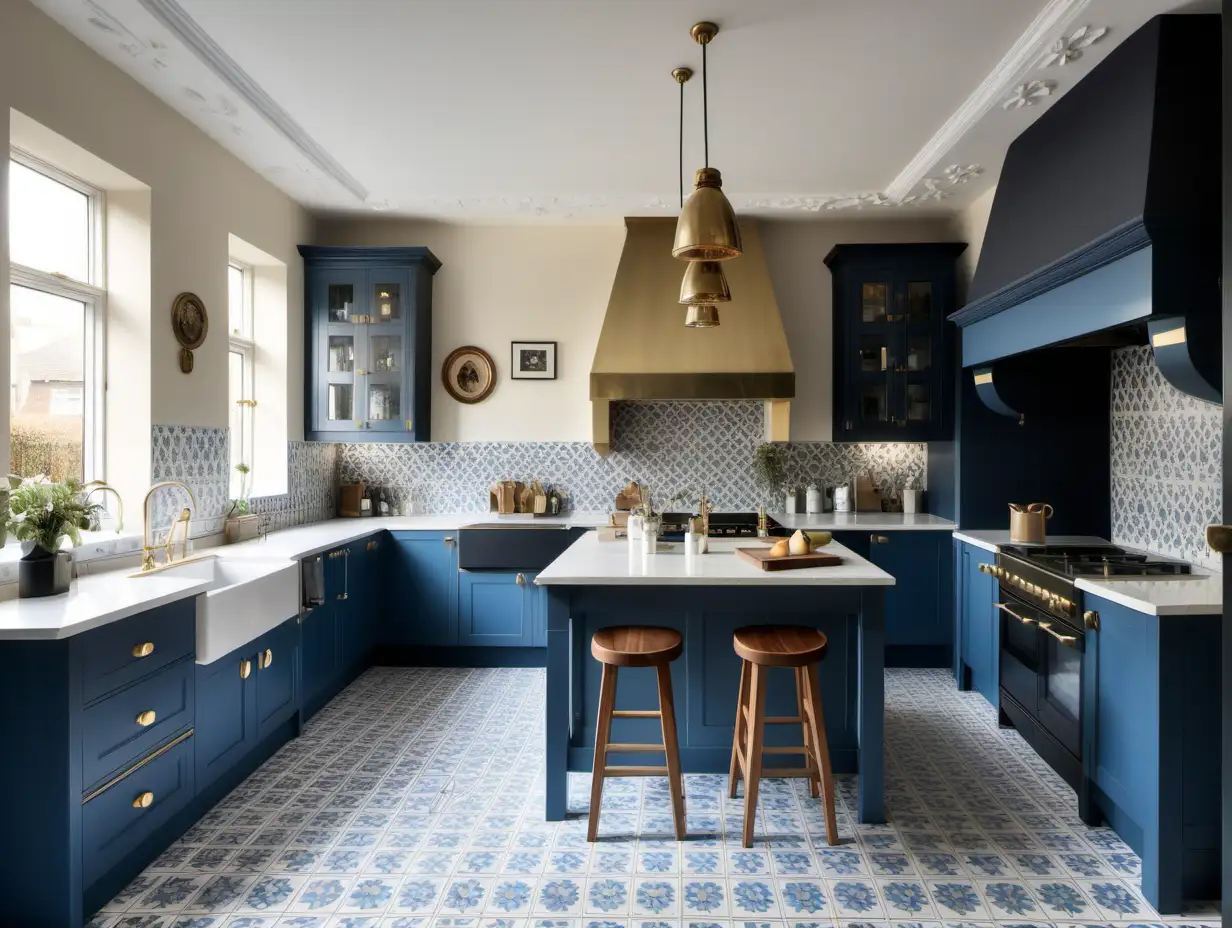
[[799, 543], [779, 549]]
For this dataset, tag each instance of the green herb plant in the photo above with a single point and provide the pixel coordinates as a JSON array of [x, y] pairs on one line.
[[46, 513]]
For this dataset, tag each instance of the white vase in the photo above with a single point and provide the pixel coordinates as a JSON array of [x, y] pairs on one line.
[[790, 502], [813, 501], [635, 529], [650, 542]]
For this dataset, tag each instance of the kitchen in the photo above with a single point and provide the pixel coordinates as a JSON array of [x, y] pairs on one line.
[[989, 728]]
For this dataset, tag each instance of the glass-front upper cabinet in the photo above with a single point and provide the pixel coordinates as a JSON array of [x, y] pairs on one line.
[[369, 314], [893, 346]]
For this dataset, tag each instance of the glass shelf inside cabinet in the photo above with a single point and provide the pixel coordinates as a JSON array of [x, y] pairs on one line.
[[340, 402], [384, 402], [874, 301], [386, 303], [386, 354], [341, 299]]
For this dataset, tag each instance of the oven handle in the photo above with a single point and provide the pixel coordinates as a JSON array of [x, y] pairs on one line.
[[1067, 640], [1021, 618]]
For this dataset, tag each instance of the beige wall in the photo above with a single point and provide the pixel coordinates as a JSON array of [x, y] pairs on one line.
[[969, 226], [530, 282], [500, 283], [199, 194]]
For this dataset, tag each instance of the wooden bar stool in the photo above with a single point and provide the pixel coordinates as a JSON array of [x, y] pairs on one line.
[[636, 646], [802, 649]]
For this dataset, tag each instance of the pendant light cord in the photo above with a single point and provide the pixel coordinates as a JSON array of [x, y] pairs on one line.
[[705, 111], [680, 172]]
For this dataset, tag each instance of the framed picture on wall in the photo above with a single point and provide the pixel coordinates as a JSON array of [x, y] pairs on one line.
[[533, 361]]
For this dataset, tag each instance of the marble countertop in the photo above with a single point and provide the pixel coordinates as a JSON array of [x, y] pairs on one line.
[[591, 562], [1199, 593], [856, 521]]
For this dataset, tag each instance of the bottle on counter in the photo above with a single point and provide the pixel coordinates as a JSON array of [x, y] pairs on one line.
[[813, 500], [383, 503], [553, 502]]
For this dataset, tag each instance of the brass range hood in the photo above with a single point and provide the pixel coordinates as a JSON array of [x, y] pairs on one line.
[[644, 353]]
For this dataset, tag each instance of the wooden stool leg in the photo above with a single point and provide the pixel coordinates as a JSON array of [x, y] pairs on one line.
[[752, 752], [603, 734], [817, 721], [809, 752], [671, 747], [742, 702]]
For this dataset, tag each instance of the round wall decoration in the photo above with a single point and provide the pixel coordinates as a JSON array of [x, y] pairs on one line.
[[190, 323], [469, 374]]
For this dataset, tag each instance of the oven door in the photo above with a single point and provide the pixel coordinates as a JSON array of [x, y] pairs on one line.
[[1021, 651], [1060, 696]]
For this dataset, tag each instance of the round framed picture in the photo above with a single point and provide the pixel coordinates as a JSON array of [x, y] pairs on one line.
[[469, 374], [190, 322]]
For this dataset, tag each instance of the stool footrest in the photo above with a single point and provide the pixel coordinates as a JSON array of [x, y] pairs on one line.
[[637, 714], [635, 771], [628, 748], [786, 772], [773, 719], [789, 749]]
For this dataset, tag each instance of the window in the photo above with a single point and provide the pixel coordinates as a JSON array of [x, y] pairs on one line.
[[56, 322], [241, 374]]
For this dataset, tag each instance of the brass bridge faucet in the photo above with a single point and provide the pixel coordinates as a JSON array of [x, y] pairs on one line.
[[102, 486], [184, 518]]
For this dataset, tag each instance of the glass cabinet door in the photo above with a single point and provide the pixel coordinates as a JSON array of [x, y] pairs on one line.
[[337, 296], [917, 326], [384, 403], [876, 354]]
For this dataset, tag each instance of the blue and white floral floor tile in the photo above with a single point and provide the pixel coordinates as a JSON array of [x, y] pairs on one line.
[[428, 813]]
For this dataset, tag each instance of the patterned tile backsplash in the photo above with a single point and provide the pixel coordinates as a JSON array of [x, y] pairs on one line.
[[669, 446], [200, 457], [1166, 462]]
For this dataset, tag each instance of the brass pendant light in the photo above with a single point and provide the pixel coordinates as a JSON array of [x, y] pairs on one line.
[[702, 316], [704, 282], [707, 228]]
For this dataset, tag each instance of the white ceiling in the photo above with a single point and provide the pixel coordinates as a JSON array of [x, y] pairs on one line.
[[491, 109]]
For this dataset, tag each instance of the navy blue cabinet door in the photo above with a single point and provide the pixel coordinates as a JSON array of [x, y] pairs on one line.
[[537, 606], [494, 609], [980, 633], [424, 566], [226, 719], [277, 676], [918, 561], [320, 655]]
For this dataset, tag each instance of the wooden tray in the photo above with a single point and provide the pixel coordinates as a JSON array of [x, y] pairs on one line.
[[760, 557]]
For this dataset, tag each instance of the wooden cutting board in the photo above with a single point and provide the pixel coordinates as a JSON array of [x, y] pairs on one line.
[[761, 557]]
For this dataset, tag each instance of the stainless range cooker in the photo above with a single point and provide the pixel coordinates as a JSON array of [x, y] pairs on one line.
[[1043, 628]]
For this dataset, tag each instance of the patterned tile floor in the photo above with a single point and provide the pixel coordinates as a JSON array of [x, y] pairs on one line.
[[414, 800]]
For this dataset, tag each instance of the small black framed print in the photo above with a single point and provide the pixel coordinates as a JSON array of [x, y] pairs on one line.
[[533, 361]]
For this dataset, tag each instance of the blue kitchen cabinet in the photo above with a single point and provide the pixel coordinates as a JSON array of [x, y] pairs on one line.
[[322, 638], [424, 567], [1151, 729], [918, 628], [243, 697], [894, 349], [369, 344], [497, 608], [976, 623], [354, 609]]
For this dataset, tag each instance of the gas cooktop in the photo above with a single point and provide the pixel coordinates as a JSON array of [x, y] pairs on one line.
[[722, 524], [1097, 561]]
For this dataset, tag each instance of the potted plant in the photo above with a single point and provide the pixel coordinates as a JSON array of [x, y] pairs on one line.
[[41, 515], [770, 464], [241, 524]]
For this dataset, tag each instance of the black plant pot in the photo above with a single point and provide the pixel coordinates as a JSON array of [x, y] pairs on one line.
[[42, 573]]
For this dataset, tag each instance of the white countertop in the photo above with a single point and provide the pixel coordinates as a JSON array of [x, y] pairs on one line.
[[857, 521], [92, 602], [591, 562], [1199, 593]]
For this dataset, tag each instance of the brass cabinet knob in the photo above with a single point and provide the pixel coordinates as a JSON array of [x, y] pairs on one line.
[[143, 801], [245, 669], [521, 580], [448, 539], [879, 539], [145, 649], [146, 718], [1090, 619], [265, 658]]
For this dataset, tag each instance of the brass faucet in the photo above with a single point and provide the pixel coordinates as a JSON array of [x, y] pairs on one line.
[[102, 486], [185, 517]]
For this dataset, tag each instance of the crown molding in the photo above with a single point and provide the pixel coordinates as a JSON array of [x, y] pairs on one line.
[[177, 21], [1023, 56]]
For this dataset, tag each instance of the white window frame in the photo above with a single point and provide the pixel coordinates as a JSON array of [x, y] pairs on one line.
[[92, 294], [247, 349]]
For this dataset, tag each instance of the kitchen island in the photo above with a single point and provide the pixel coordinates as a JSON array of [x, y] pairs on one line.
[[594, 584]]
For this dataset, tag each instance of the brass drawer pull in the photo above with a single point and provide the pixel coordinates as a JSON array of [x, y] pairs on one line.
[[1047, 626], [265, 658], [145, 649], [144, 801], [245, 669], [521, 580], [146, 718], [448, 539], [879, 539]]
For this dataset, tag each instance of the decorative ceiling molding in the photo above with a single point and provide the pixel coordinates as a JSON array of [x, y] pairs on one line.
[[176, 20], [1022, 57], [1028, 94], [1064, 50]]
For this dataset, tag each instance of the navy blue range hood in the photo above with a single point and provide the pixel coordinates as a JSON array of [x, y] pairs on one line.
[[1105, 227]]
